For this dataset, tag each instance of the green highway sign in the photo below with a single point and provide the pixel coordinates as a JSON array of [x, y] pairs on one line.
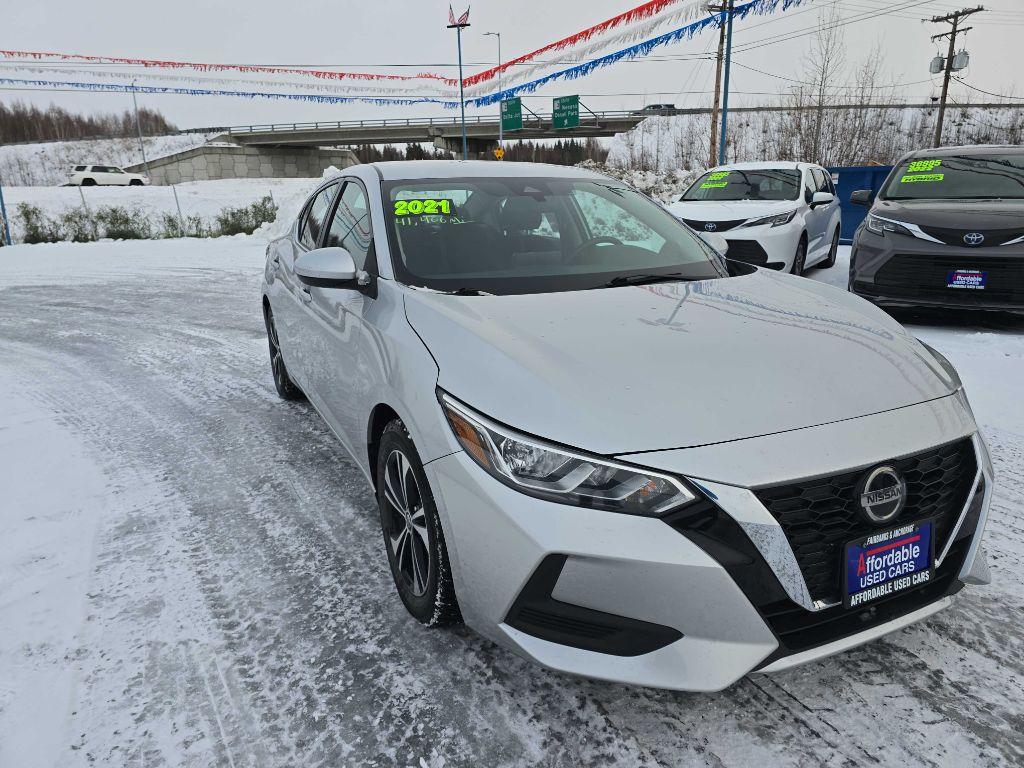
[[511, 115], [565, 112]]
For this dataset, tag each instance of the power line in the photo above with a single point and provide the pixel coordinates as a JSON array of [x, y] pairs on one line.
[[988, 93]]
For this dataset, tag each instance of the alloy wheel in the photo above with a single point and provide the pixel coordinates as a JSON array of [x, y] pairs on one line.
[[276, 359], [406, 523]]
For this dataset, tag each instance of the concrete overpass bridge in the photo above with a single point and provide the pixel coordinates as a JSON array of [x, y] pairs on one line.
[[481, 131], [443, 132]]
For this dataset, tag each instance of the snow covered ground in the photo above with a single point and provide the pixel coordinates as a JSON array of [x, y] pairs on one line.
[[50, 162], [192, 573], [197, 198]]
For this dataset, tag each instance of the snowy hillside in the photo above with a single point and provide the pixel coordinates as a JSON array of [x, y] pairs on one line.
[[48, 163]]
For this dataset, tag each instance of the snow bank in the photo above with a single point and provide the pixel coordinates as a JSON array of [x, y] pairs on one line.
[[665, 186]]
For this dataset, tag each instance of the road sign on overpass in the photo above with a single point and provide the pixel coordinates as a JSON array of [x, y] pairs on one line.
[[565, 112], [512, 115]]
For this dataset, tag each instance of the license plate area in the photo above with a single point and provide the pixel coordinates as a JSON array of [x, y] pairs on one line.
[[968, 279], [888, 562]]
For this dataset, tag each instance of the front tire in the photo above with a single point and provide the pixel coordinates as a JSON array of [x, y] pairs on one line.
[[135, 183], [800, 257], [412, 531], [283, 383], [833, 252]]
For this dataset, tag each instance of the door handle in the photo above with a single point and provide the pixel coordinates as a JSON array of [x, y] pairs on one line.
[[305, 295]]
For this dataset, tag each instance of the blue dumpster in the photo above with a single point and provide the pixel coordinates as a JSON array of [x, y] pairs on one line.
[[849, 179]]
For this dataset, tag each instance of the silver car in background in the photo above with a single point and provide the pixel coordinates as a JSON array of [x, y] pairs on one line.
[[607, 448]]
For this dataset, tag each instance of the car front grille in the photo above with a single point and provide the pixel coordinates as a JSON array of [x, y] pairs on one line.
[[925, 276], [820, 516], [992, 236], [747, 251], [719, 226]]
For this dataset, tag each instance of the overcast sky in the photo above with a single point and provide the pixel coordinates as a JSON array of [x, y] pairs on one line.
[[361, 34]]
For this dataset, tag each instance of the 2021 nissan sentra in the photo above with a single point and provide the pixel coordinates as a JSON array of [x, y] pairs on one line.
[[779, 215], [946, 230], [606, 447]]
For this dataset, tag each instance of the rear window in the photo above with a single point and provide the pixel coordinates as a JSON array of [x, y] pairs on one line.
[[80, 167], [958, 177]]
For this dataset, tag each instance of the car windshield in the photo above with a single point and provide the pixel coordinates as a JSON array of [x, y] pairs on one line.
[[767, 184], [958, 177], [536, 235]]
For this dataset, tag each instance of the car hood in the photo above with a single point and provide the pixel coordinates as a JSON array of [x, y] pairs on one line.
[[730, 211], [674, 365], [966, 214]]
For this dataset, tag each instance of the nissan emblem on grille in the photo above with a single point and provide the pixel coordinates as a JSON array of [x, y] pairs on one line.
[[883, 493], [710, 226], [974, 238]]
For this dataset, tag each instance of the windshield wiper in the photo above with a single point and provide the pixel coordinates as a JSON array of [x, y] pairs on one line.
[[644, 279]]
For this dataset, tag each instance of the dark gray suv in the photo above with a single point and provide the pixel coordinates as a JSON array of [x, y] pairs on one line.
[[946, 230]]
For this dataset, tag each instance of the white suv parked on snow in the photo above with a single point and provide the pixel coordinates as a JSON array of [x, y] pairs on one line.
[[778, 215], [97, 175]]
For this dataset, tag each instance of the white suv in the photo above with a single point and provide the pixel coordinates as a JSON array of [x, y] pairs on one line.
[[96, 175], [778, 215]]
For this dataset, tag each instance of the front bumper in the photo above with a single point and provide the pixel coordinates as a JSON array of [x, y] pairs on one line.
[[895, 270], [696, 577], [765, 246]]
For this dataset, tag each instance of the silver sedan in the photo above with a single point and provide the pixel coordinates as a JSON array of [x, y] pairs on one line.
[[606, 446]]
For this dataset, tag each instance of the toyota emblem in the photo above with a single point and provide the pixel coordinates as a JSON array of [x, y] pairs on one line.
[[710, 226], [882, 494], [974, 238]]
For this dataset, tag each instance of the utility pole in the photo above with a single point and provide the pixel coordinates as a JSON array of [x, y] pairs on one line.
[[725, 85], [718, 83], [500, 136], [954, 19]]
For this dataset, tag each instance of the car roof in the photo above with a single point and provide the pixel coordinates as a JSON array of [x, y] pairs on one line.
[[975, 149], [763, 166], [400, 170]]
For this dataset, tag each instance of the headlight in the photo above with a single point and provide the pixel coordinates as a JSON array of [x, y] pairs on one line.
[[776, 220], [549, 472], [880, 226]]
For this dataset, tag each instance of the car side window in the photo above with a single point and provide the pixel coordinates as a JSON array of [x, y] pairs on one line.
[[316, 214], [820, 180], [809, 185], [350, 227]]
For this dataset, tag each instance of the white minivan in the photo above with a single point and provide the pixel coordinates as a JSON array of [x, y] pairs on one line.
[[779, 215], [99, 175]]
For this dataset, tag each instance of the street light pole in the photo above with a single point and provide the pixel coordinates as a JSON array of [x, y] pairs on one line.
[[500, 135], [458, 26], [138, 129], [5, 235]]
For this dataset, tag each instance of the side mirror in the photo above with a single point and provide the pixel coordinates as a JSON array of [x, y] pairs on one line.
[[327, 268], [718, 243], [821, 198], [862, 197]]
